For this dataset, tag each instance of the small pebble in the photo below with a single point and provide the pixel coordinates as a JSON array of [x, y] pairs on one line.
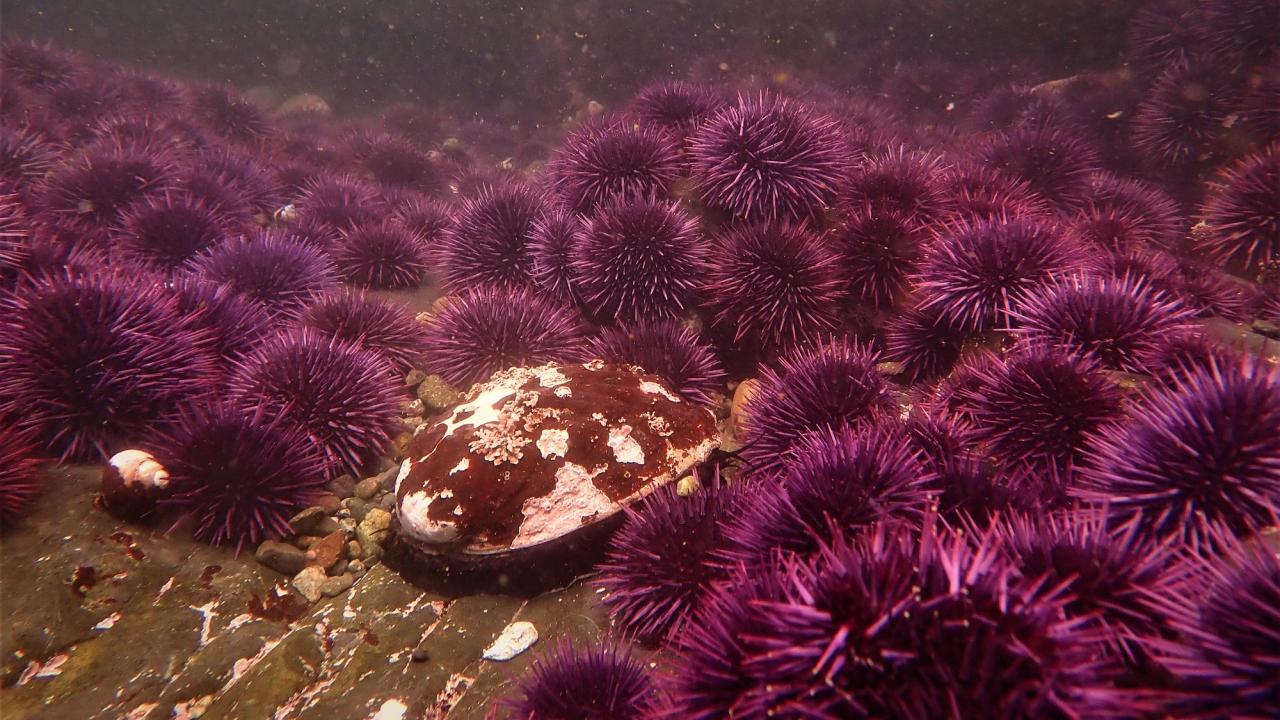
[[356, 567], [344, 486], [336, 585], [387, 479], [328, 550], [281, 557], [377, 520], [309, 582], [306, 541], [353, 549], [357, 507], [304, 523], [436, 394], [326, 526], [388, 502], [328, 503], [414, 378], [367, 488]]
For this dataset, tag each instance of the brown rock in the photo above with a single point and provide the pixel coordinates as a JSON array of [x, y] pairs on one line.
[[328, 551], [304, 523], [535, 454], [329, 503], [367, 488], [414, 378], [281, 557], [337, 584], [309, 582], [344, 486], [437, 395]]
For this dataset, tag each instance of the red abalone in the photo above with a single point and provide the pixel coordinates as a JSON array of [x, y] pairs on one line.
[[536, 454]]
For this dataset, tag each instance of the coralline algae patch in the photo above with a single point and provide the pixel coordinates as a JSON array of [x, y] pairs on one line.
[[536, 453]]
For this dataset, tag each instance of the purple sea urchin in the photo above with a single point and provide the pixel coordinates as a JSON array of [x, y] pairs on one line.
[[1151, 217], [491, 329], [1053, 161], [236, 324], [674, 105], [879, 251], [883, 627], [976, 273], [371, 323], [836, 483], [490, 242], [1177, 123], [669, 349], [25, 156], [383, 255], [341, 398], [638, 259], [552, 243], [1110, 574], [606, 682], [977, 192], [774, 286], [1162, 33], [166, 231], [94, 363], [19, 479], [660, 566], [334, 203], [239, 476], [817, 388], [1244, 212], [396, 162], [1040, 407], [768, 158], [1226, 658], [87, 194], [1204, 451], [230, 114], [280, 273], [926, 346], [899, 181], [1116, 321], [613, 159]]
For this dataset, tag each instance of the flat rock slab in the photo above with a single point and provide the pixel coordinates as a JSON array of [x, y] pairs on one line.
[[103, 619]]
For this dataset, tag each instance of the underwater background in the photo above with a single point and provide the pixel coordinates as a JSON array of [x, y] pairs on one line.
[[862, 359]]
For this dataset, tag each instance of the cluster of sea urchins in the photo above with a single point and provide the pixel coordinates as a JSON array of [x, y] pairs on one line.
[[991, 428]]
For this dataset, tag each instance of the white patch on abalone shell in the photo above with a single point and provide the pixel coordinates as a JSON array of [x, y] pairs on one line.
[[573, 501], [593, 365], [563, 391], [462, 465], [625, 448], [513, 640], [650, 387], [405, 467], [553, 443], [416, 521], [550, 376]]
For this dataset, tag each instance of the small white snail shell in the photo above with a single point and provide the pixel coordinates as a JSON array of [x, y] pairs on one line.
[[139, 468]]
